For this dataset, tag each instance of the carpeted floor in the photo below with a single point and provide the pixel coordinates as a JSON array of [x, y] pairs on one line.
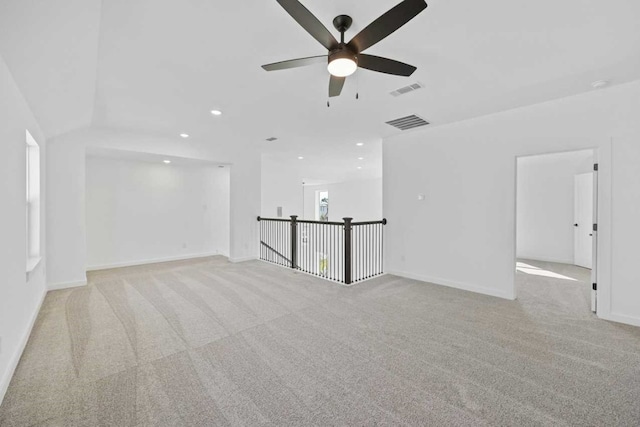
[[203, 343]]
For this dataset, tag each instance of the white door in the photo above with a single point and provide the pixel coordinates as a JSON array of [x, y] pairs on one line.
[[583, 220]]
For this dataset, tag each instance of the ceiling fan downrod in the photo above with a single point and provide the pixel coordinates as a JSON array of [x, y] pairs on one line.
[[342, 23]]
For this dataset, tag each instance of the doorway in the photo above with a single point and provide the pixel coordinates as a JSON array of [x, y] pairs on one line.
[[322, 205], [556, 198], [583, 211]]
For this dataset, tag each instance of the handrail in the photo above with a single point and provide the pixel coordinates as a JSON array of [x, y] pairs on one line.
[[382, 221], [273, 219], [309, 221]]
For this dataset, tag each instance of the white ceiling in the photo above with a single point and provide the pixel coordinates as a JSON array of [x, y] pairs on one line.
[[159, 66], [51, 49], [111, 153]]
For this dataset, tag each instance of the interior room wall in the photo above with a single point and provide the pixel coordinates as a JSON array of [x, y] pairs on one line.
[[463, 233], [281, 186], [354, 174], [20, 294], [146, 211], [67, 157], [360, 200], [66, 241], [545, 204]]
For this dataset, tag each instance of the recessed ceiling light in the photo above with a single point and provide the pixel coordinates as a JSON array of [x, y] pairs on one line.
[[216, 112], [300, 158], [599, 84], [184, 135], [360, 158], [360, 144], [359, 167], [167, 161]]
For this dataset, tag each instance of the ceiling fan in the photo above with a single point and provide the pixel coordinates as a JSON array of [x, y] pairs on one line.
[[344, 58]]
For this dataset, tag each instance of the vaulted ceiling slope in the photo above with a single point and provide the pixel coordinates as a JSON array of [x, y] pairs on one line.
[[51, 49], [159, 66]]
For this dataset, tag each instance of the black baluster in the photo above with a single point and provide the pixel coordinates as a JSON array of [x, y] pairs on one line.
[[294, 237]]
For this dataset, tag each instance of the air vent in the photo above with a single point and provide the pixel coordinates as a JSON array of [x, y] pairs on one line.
[[273, 138], [407, 89], [409, 122]]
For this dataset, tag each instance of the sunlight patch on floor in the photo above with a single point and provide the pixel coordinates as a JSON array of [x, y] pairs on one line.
[[536, 271]]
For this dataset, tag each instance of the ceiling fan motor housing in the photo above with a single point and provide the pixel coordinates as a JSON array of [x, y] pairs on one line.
[[343, 52]]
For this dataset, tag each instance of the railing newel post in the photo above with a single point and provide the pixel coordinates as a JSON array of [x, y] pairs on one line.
[[347, 250]]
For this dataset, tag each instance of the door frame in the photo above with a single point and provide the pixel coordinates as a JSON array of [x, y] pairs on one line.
[[603, 292]]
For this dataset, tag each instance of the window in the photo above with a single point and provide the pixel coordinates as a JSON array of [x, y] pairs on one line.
[[33, 202], [322, 205]]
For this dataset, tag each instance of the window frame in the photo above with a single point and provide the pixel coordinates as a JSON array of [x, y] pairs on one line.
[[32, 202]]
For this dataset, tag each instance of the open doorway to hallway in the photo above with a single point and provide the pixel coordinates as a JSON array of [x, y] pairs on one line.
[[555, 240]]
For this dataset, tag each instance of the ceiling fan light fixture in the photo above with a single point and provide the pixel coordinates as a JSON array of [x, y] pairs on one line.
[[342, 67], [342, 63]]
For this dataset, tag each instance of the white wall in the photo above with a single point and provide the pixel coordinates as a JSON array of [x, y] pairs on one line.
[[360, 200], [20, 295], [354, 172], [66, 241], [545, 204], [67, 231], [141, 211], [463, 233], [281, 186]]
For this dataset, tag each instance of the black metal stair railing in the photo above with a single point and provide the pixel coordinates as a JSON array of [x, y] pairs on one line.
[[345, 252]]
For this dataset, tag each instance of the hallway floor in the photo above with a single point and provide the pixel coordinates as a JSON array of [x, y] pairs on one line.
[[206, 342], [543, 287]]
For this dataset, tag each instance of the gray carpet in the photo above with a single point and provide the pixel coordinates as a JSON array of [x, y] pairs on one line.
[[200, 343]]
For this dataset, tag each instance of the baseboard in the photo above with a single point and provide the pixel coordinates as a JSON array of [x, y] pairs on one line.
[[243, 259], [456, 285], [66, 285], [545, 259], [6, 379], [622, 318], [150, 261]]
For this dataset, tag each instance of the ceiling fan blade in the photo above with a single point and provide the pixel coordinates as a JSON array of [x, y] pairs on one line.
[[295, 63], [387, 24], [309, 22], [385, 65], [335, 85]]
